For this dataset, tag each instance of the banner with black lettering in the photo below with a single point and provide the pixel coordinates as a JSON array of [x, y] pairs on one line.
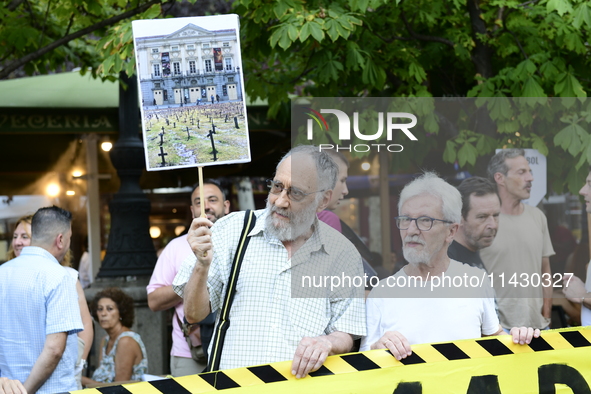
[[557, 362]]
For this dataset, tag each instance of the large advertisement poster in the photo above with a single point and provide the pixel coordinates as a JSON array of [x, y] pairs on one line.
[[192, 115], [218, 59]]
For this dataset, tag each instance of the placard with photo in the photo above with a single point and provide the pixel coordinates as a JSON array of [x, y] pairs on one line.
[[191, 91]]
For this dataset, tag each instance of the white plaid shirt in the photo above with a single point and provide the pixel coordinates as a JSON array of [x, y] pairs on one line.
[[267, 320]]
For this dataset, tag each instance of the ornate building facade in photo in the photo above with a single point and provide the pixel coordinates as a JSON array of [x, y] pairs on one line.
[[189, 66]]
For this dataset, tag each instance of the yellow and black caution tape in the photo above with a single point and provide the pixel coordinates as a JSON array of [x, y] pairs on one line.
[[558, 361]]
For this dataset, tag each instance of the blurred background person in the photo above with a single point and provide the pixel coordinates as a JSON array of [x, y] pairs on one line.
[[21, 237], [123, 354], [86, 336], [327, 216]]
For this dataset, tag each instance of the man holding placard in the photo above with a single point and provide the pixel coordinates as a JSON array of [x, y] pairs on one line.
[[273, 318]]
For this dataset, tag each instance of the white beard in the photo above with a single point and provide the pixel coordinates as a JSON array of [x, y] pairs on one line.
[[415, 257], [298, 224]]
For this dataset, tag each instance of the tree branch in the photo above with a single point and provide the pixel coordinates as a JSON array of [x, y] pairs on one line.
[[13, 4], [64, 40], [423, 37]]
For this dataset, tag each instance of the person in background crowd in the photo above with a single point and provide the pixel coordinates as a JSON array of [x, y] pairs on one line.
[[522, 245], [329, 217], [160, 293], [123, 354], [481, 208], [40, 314], [430, 213], [86, 336], [574, 288], [85, 267], [21, 236], [287, 242]]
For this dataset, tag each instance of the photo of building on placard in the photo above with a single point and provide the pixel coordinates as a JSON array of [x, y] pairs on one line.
[[191, 91]]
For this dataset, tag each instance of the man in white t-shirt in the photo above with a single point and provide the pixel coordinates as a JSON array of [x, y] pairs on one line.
[[433, 298], [577, 290]]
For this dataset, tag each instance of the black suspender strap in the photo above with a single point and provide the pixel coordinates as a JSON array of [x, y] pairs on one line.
[[224, 322]]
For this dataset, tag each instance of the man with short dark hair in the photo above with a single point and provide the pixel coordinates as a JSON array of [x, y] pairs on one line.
[[522, 248], [160, 293], [274, 317], [40, 315], [481, 208]]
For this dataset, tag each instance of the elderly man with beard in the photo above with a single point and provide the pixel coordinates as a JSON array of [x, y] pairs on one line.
[[273, 317], [399, 316]]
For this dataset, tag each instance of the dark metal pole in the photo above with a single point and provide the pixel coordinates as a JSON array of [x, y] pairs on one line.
[[130, 250]]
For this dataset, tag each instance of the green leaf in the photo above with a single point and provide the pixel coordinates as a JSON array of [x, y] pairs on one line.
[[152, 12], [331, 29], [467, 154], [538, 143], [449, 154], [560, 6], [277, 34], [285, 41], [316, 31], [415, 70], [292, 32], [305, 31], [280, 9], [355, 59], [568, 86], [582, 15], [531, 88]]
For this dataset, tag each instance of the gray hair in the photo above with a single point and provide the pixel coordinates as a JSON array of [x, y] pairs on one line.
[[48, 223], [430, 183], [327, 169], [498, 162]]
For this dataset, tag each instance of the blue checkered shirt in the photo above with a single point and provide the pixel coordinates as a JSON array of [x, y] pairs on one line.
[[37, 298]]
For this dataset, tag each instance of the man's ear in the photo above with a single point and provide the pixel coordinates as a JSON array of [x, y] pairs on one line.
[[193, 212], [453, 230], [499, 178], [59, 241], [326, 196], [226, 207]]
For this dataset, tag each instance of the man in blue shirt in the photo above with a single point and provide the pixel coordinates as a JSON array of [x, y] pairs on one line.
[[40, 315]]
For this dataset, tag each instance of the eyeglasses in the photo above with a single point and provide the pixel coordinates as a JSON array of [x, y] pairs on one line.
[[424, 223], [293, 193]]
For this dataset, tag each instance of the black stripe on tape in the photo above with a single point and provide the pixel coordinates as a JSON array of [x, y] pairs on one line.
[[113, 390], [540, 344], [575, 338], [267, 373], [219, 380], [451, 351], [412, 359], [322, 371], [494, 347], [360, 362], [169, 386]]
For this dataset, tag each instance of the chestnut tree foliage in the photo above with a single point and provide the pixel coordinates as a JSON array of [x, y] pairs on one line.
[[331, 48]]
